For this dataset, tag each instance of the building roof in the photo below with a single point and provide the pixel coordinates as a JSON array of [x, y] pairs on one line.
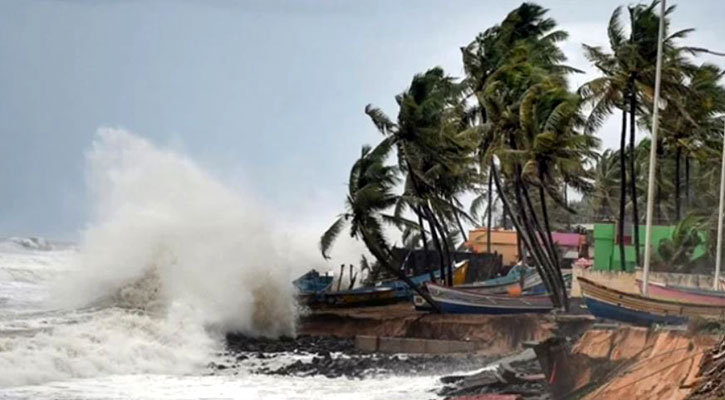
[[566, 239]]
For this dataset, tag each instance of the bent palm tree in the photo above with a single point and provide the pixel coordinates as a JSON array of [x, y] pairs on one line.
[[370, 193]]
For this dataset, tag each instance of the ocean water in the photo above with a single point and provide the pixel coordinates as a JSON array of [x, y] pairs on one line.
[[116, 353], [169, 261]]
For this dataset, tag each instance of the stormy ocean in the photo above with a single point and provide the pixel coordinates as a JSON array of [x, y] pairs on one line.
[[169, 261]]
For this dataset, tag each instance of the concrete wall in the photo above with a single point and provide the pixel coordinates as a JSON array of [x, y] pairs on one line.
[[626, 281]]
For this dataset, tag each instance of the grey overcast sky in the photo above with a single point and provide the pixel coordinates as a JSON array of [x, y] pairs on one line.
[[268, 95]]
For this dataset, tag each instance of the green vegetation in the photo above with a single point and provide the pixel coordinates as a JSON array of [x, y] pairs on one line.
[[513, 130]]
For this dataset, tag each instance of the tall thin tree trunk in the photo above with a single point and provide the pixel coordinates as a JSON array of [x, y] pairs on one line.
[[449, 257], [429, 216], [543, 231], [490, 212], [632, 170], [425, 244], [540, 262], [437, 243], [383, 256], [443, 242], [687, 183], [678, 195], [538, 226], [622, 190], [458, 220], [553, 249]]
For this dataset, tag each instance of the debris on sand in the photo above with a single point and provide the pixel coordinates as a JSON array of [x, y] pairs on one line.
[[711, 383], [518, 376]]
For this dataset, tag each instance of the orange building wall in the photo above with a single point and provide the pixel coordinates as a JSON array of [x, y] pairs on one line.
[[502, 242]]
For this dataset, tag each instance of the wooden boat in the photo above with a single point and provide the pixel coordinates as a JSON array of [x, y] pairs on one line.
[[462, 301], [533, 285], [313, 282], [683, 294], [362, 297], [506, 283], [403, 292], [384, 293], [636, 309], [536, 286]]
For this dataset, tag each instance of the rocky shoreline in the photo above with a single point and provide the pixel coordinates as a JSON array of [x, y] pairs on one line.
[[307, 356], [337, 357]]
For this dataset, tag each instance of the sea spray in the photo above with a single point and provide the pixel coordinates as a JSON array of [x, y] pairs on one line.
[[170, 260], [158, 216]]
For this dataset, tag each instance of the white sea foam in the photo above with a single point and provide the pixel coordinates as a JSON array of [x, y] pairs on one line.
[[170, 260]]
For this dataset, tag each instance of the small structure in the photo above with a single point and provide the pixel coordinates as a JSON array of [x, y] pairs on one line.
[[572, 246], [606, 245], [502, 242]]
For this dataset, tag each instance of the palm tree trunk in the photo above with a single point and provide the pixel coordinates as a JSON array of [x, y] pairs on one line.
[[678, 155], [622, 190], [543, 231], [552, 248], [443, 242], [449, 257], [436, 242], [445, 237], [429, 216], [458, 219], [545, 238], [425, 244], [532, 229], [687, 182], [632, 171], [384, 261], [490, 212], [540, 262]]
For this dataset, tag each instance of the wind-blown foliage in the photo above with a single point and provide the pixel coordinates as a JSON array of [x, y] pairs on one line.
[[511, 130]]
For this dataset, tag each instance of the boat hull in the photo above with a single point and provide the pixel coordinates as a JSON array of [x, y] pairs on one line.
[[662, 291], [632, 308], [605, 310], [352, 298], [448, 307], [459, 301]]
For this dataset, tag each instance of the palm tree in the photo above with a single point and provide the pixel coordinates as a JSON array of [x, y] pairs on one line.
[[435, 153], [370, 194], [694, 118], [502, 64], [526, 28], [627, 83], [606, 185]]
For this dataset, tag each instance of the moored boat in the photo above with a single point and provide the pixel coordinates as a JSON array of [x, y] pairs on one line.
[[403, 292], [462, 301], [683, 294], [636, 309], [313, 282], [361, 297]]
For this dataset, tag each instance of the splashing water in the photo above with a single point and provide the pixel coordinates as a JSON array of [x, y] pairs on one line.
[[170, 261]]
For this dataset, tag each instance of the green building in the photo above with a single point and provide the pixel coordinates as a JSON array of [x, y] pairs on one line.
[[606, 250]]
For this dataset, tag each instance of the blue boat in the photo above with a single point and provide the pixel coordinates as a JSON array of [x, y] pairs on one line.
[[313, 282], [403, 292], [461, 301], [606, 310], [604, 302]]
